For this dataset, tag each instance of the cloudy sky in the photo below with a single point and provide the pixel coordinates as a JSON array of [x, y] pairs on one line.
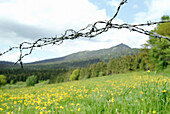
[[28, 20]]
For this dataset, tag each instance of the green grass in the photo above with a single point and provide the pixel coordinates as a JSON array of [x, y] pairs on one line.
[[166, 72], [131, 93]]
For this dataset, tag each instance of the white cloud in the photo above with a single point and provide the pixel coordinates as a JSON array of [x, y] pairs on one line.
[[114, 3], [15, 56], [156, 10], [132, 39], [52, 14], [10, 57]]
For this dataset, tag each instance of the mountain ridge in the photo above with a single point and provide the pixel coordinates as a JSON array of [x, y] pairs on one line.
[[87, 54], [83, 58]]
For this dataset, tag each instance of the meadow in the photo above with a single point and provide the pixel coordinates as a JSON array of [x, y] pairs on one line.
[[130, 93]]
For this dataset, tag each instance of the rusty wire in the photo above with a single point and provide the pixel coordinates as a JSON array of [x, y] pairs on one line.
[[89, 31]]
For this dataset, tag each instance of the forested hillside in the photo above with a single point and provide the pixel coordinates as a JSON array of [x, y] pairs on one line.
[[82, 59]]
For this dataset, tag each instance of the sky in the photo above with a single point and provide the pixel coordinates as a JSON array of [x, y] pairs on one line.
[[29, 20]]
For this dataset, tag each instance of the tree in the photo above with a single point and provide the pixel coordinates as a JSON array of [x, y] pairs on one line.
[[135, 64], [164, 28], [159, 54], [110, 66], [74, 75], [115, 66], [82, 73], [100, 69], [94, 70], [121, 64], [31, 80], [159, 48], [87, 72], [165, 17], [2, 80], [103, 68]]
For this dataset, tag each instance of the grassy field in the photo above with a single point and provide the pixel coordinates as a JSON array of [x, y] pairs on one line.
[[132, 93]]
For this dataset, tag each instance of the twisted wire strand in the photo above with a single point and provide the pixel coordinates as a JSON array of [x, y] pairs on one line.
[[89, 31]]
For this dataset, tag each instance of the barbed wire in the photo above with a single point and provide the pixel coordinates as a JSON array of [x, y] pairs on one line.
[[89, 31]]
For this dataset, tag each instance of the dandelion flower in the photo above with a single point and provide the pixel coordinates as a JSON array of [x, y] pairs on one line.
[[1, 109], [72, 104], [49, 111], [163, 91], [61, 107], [78, 109], [154, 112], [19, 109], [112, 100]]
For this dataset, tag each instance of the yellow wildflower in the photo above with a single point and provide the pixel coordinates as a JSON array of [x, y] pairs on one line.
[[19, 109], [154, 112], [15, 102], [72, 104], [112, 100], [25, 104], [163, 91], [78, 109], [1, 109], [61, 107], [36, 107]]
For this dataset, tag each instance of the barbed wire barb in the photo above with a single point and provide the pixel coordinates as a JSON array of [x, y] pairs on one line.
[[90, 31]]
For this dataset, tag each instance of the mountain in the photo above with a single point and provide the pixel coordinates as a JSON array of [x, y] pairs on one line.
[[82, 59], [79, 59], [5, 64]]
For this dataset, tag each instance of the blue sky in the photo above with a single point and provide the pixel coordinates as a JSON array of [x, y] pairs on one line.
[[28, 20], [127, 11]]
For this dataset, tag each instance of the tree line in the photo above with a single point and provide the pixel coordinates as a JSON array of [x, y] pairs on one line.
[[155, 55], [16, 75], [122, 64]]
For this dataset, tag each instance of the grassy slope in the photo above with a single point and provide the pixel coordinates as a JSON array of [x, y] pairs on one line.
[[166, 72], [122, 93]]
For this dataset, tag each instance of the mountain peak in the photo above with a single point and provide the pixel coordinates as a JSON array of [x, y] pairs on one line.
[[121, 46]]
